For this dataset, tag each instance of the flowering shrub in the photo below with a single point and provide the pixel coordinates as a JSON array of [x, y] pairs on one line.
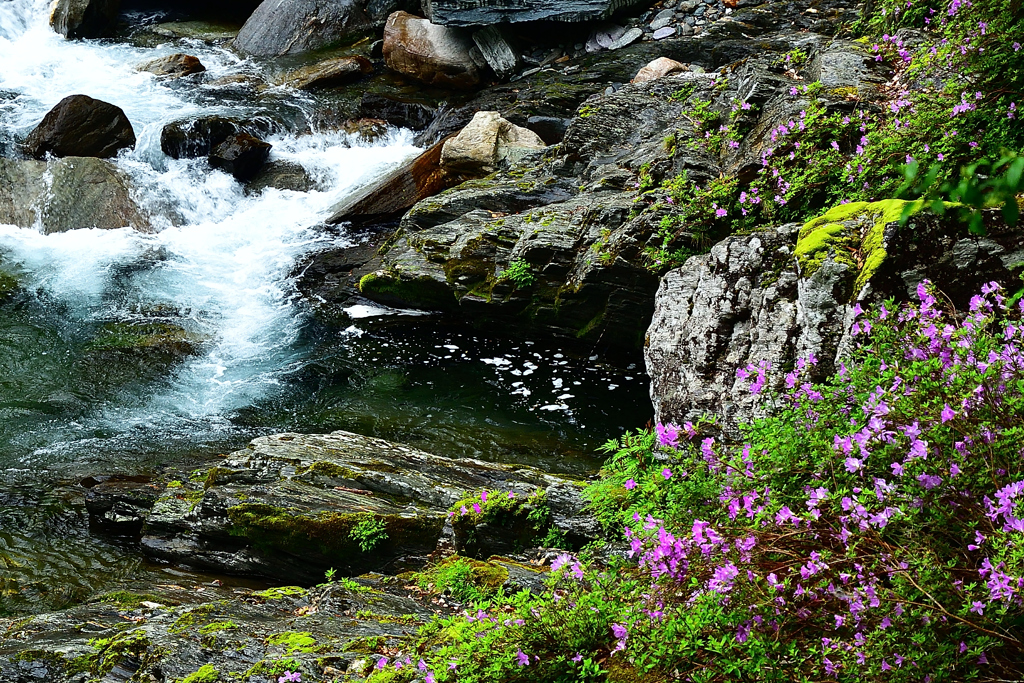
[[871, 530], [951, 103]]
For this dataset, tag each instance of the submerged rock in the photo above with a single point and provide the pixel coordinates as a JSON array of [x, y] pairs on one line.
[[80, 126], [67, 194], [84, 18], [283, 175], [436, 55], [397, 112], [288, 27], [174, 66], [780, 295], [242, 155]]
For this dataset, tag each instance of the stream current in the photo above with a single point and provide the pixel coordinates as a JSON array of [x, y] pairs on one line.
[[220, 264]]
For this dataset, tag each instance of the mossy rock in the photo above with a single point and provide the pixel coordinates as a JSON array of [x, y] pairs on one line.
[[852, 234], [145, 336], [9, 284], [415, 292]]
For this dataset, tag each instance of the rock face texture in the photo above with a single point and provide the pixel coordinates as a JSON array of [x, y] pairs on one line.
[[174, 66], [486, 142], [436, 55], [84, 18], [67, 194], [288, 27], [81, 126], [488, 12], [768, 298], [292, 505]]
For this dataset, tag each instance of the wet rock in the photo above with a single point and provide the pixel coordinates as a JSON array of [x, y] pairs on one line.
[[196, 137], [394, 193], [67, 194], [174, 66], [436, 55], [243, 635], [242, 155], [628, 38], [551, 129], [81, 126], [485, 142], [329, 73], [779, 295], [287, 27], [491, 12], [119, 504], [662, 66], [397, 112], [293, 505], [84, 18], [847, 68], [283, 175]]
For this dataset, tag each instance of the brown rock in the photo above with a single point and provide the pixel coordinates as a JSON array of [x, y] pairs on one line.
[[486, 141], [175, 65], [241, 155], [662, 66], [393, 194], [84, 18], [436, 55], [329, 74], [83, 127]]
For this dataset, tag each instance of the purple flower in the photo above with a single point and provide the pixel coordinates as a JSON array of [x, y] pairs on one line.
[[668, 435], [947, 413], [978, 607], [630, 484], [666, 473], [382, 662], [476, 508], [483, 496], [430, 678], [522, 658], [619, 631], [289, 677]]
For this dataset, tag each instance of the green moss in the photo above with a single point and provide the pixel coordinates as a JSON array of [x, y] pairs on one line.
[[366, 646], [55, 662], [592, 325], [8, 284], [403, 619], [419, 291], [213, 474], [111, 651], [329, 469], [272, 668], [827, 235], [280, 592], [174, 484], [294, 641], [193, 617], [466, 578], [206, 674], [215, 626]]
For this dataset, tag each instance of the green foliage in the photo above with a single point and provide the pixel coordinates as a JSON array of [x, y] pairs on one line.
[[369, 532], [520, 273], [468, 580], [207, 673]]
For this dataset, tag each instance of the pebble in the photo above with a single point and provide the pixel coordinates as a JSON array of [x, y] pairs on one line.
[[664, 14], [685, 30], [627, 38], [606, 38], [665, 32], [661, 23]]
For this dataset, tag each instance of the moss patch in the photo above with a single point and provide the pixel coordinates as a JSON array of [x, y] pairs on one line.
[[294, 641], [207, 673], [421, 292], [831, 235], [151, 336]]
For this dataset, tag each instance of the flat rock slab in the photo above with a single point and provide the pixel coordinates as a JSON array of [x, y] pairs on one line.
[[292, 505], [489, 12]]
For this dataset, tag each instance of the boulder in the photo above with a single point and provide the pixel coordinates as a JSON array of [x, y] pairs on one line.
[[436, 55], [283, 175], [242, 155], [67, 194], [662, 66], [778, 295], [397, 112], [174, 66], [81, 126], [498, 50], [395, 192], [292, 505], [485, 142], [196, 137], [287, 27], [84, 18], [490, 12], [329, 73]]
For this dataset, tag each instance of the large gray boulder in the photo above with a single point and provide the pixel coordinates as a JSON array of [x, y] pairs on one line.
[[84, 18], [81, 126], [288, 27], [67, 194], [779, 295], [488, 12], [436, 55]]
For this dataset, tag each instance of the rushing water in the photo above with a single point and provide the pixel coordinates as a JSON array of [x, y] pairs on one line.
[[219, 265]]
